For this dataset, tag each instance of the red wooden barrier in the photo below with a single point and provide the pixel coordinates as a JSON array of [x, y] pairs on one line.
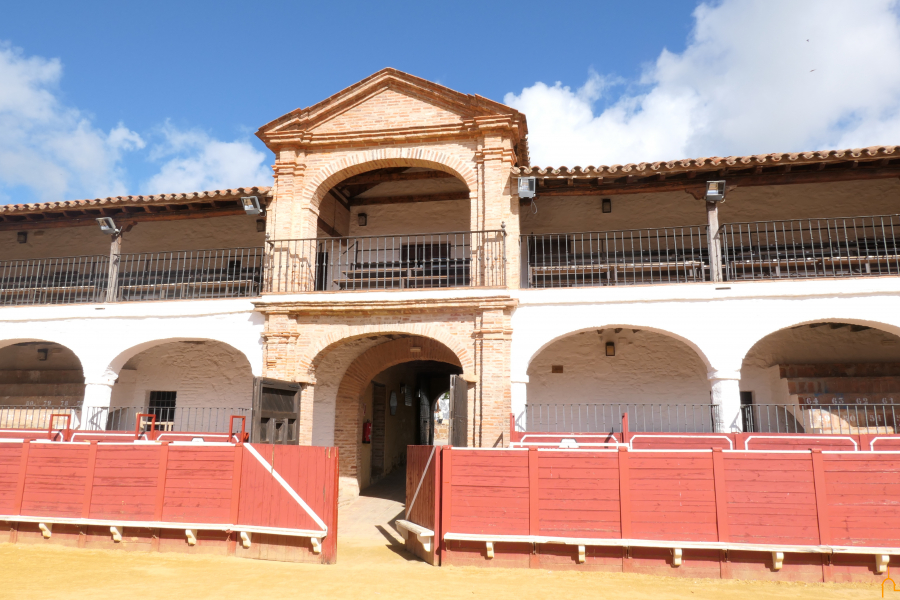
[[423, 472], [270, 502], [826, 515]]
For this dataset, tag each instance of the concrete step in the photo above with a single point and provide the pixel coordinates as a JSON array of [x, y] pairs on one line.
[[834, 385], [840, 370]]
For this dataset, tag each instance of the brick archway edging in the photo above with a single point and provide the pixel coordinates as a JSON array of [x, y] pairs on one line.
[[335, 172], [358, 376], [314, 354]]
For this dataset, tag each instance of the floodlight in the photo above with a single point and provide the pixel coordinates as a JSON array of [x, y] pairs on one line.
[[107, 225], [527, 187], [715, 191], [251, 205]]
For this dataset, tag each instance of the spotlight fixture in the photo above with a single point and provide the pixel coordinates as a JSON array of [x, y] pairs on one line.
[[107, 225], [607, 205], [527, 187], [715, 191], [251, 205], [610, 348], [362, 219]]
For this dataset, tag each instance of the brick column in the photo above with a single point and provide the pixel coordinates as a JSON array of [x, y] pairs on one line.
[[492, 403], [307, 397]]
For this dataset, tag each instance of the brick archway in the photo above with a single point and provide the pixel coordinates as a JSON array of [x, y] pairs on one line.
[[364, 368], [313, 354], [347, 166]]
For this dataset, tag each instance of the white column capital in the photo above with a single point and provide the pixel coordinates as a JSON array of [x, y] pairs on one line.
[[104, 381], [723, 375], [518, 379]]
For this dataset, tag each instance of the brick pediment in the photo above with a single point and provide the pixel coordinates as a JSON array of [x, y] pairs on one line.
[[391, 104]]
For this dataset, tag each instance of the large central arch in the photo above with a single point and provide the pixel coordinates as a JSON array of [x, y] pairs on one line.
[[347, 416]]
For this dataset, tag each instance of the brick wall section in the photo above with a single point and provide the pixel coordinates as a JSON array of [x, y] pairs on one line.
[[473, 333]]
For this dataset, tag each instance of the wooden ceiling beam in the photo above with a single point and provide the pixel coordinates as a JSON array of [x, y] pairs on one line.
[[381, 177], [747, 179], [407, 199], [21, 225]]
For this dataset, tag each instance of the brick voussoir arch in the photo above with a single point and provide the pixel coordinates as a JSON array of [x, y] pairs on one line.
[[357, 377], [333, 173], [314, 353]]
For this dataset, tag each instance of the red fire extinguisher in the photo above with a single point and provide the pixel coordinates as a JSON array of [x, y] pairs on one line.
[[367, 432]]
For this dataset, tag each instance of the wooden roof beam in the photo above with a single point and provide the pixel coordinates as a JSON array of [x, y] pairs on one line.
[[407, 199]]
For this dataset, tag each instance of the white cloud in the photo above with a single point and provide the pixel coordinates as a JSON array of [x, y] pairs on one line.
[[48, 147], [195, 161], [813, 74]]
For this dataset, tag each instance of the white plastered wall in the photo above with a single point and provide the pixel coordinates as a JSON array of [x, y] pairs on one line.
[[804, 345], [105, 337], [203, 374], [720, 322]]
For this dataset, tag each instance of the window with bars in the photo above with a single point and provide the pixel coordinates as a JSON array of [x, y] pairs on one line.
[[162, 404]]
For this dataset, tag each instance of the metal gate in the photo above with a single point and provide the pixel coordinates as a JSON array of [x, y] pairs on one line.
[[459, 411], [276, 412]]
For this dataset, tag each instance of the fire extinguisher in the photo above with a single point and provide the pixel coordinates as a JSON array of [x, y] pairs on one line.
[[367, 432]]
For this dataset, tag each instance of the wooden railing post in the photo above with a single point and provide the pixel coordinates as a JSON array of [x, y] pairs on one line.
[[721, 497], [446, 504], [20, 483], [714, 247], [534, 514], [236, 495], [112, 284], [438, 491], [818, 466], [89, 481], [161, 481], [624, 494]]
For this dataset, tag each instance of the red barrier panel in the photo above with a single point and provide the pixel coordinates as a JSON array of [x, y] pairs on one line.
[[260, 502], [804, 515]]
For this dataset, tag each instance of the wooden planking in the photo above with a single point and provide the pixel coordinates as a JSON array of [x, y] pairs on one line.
[[125, 482], [55, 480], [861, 496], [10, 464], [422, 512], [578, 494], [480, 484]]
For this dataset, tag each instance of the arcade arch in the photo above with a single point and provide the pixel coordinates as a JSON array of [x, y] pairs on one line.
[[619, 368], [34, 375]]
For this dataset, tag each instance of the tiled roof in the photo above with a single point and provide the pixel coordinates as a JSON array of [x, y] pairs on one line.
[[119, 201], [717, 162]]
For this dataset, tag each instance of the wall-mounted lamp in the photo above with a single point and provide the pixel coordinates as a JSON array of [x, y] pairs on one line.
[[107, 225], [607, 205], [527, 187], [251, 205], [42, 353], [260, 225], [610, 348], [22, 237], [715, 191], [362, 219], [415, 349], [556, 368]]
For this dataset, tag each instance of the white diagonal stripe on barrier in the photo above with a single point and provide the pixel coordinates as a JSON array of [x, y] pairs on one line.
[[286, 486]]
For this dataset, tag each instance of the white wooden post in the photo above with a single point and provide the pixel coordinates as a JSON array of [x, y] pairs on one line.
[[714, 241]]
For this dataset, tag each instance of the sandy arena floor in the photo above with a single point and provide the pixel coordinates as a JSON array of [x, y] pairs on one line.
[[371, 563]]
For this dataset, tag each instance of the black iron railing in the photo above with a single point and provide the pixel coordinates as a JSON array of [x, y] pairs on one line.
[[190, 418], [65, 280], [37, 417], [426, 261], [637, 256], [821, 418], [192, 274], [607, 417], [841, 247]]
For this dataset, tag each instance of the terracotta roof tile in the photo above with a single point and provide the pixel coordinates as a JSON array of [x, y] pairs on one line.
[[184, 198], [712, 162]]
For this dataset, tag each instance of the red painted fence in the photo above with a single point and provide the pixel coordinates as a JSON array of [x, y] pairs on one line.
[[699, 513], [255, 501]]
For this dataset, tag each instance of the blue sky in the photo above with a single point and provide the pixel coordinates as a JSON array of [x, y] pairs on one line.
[[113, 98]]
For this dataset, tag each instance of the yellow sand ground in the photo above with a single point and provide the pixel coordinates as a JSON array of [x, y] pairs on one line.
[[365, 569]]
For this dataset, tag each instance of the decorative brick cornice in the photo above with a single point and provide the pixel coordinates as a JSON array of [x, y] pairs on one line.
[[406, 306]]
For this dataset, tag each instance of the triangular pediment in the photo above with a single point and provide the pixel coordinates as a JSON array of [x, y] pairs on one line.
[[386, 102]]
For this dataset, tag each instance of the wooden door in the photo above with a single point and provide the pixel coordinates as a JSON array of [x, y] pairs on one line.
[[276, 412], [459, 411]]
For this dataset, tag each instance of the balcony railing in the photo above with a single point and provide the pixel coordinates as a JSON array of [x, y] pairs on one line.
[[194, 274], [638, 256], [427, 261], [821, 419], [607, 417], [175, 419], [843, 247], [66, 280]]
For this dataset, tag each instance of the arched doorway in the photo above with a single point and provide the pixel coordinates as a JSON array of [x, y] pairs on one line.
[[586, 381], [823, 377], [38, 378], [356, 375], [189, 385]]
